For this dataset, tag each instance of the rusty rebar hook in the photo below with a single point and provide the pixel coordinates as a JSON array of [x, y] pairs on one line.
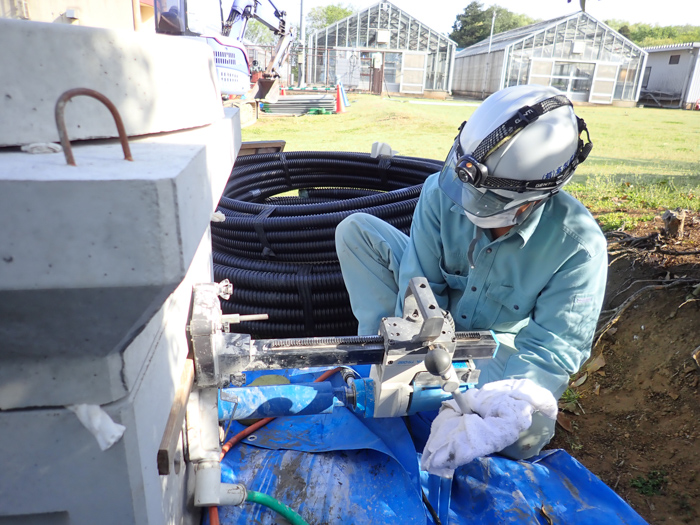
[[61, 121]]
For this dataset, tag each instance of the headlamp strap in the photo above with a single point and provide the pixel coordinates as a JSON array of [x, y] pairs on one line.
[[555, 181], [583, 149], [513, 125]]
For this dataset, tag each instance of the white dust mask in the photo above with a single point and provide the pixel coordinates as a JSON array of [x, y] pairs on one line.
[[500, 220]]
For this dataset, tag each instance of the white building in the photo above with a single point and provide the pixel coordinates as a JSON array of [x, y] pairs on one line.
[[672, 76], [381, 48], [577, 54]]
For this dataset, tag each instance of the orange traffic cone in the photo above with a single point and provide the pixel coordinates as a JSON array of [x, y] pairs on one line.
[[282, 93], [339, 107]]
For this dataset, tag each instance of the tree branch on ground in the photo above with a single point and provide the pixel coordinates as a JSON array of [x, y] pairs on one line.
[[616, 313]]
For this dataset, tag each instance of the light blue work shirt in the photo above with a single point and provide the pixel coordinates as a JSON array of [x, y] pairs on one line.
[[543, 281], [540, 286]]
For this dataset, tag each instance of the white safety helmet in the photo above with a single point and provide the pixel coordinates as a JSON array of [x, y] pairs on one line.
[[521, 145]]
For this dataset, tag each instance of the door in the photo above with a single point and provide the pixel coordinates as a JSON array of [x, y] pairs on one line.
[[377, 72], [604, 80], [412, 76]]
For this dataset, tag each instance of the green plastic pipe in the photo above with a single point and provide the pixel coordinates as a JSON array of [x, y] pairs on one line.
[[277, 506]]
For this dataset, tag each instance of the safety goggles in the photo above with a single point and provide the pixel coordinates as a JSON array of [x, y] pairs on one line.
[[481, 202]]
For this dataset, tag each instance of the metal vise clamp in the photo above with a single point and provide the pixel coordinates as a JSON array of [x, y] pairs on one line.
[[418, 352]]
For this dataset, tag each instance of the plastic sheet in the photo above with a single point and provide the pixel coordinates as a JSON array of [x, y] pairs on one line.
[[338, 468]]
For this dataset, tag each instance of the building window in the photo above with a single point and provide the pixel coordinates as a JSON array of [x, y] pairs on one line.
[[572, 77], [645, 80], [674, 59]]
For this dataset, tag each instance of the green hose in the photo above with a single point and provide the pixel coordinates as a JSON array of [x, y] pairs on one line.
[[277, 506]]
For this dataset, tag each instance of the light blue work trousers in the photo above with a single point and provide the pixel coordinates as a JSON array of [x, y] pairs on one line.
[[370, 252]]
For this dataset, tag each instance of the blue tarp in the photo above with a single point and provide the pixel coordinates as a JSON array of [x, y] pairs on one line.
[[339, 468]]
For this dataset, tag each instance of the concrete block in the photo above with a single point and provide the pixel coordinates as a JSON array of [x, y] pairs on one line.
[[89, 253], [157, 82]]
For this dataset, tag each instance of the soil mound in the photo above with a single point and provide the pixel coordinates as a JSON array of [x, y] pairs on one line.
[[632, 414]]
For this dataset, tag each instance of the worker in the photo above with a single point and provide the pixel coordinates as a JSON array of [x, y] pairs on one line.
[[501, 245]]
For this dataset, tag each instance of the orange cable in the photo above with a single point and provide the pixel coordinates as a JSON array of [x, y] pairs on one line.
[[214, 516], [214, 511]]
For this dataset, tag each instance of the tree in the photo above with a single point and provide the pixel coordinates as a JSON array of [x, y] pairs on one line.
[[321, 17], [259, 33], [645, 35], [474, 25], [625, 31]]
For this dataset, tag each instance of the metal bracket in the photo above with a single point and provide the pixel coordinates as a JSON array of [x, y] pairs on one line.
[[424, 325]]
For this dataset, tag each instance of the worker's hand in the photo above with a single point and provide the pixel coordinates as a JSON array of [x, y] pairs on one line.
[[484, 421]]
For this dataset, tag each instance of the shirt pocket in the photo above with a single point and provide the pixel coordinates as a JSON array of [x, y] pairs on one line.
[[506, 307], [456, 284], [583, 316], [454, 278]]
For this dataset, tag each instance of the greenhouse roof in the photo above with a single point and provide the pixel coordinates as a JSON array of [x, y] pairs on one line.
[[505, 39], [386, 6]]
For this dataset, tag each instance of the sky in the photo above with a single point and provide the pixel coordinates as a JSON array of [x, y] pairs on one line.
[[441, 14]]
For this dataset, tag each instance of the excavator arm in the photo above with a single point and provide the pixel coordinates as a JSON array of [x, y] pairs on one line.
[[264, 12], [267, 87], [203, 19]]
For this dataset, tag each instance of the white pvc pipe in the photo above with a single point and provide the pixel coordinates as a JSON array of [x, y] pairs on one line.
[[230, 494], [207, 491], [210, 492]]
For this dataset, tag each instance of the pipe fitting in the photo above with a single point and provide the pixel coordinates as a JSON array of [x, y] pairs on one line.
[[232, 494], [207, 490]]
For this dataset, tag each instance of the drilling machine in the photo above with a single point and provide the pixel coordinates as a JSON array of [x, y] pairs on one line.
[[416, 362]]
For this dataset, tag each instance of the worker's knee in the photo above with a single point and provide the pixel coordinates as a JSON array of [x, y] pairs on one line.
[[368, 238], [350, 227], [532, 440]]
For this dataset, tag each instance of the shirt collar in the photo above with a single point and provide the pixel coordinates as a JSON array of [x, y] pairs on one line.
[[527, 228]]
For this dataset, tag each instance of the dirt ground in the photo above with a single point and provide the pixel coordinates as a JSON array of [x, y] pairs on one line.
[[633, 414]]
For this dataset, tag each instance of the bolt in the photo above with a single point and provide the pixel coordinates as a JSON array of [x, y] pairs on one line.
[[225, 289]]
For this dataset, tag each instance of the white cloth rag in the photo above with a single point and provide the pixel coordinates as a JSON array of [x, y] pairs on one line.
[[42, 147], [486, 420], [98, 422]]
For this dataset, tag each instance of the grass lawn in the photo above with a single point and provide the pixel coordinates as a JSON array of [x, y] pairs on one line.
[[642, 159], [414, 130]]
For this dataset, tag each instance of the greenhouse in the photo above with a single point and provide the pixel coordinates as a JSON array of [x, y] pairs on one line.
[[577, 54], [381, 49]]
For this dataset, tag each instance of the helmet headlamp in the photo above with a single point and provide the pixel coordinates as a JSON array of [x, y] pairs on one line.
[[471, 171]]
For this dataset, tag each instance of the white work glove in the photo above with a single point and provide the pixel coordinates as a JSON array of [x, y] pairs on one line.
[[486, 420]]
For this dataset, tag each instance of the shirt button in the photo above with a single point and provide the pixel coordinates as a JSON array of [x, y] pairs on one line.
[[516, 307], [457, 272], [488, 250], [464, 316], [473, 288]]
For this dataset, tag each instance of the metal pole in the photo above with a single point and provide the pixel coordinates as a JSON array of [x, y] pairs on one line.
[[302, 39], [488, 56]]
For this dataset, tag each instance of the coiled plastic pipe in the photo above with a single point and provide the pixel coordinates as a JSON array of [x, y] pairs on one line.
[[279, 250]]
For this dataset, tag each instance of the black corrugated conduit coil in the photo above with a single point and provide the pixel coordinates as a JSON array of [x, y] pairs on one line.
[[279, 250]]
